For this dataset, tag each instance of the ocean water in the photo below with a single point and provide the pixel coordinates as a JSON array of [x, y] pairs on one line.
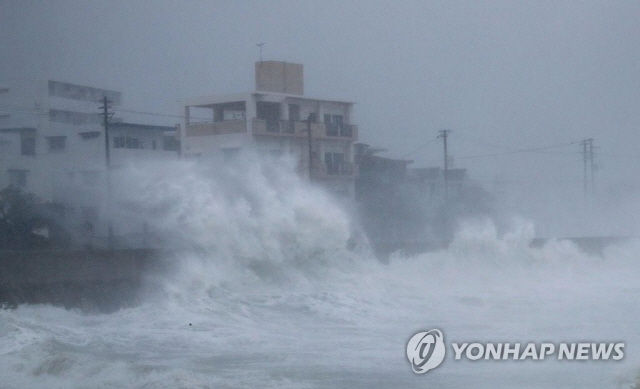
[[277, 293]]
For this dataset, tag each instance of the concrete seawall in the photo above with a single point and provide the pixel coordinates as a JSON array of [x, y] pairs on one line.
[[94, 280], [104, 281]]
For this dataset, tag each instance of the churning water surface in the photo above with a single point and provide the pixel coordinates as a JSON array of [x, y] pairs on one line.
[[277, 296]]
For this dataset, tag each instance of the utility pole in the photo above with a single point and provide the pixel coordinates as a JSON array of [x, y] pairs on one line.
[[593, 182], [444, 134], [584, 164], [309, 139], [260, 46], [106, 118], [587, 160]]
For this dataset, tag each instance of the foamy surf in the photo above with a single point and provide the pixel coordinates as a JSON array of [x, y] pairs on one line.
[[274, 295]]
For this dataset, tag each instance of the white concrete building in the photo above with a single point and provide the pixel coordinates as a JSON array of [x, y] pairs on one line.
[[52, 144], [49, 132], [274, 120]]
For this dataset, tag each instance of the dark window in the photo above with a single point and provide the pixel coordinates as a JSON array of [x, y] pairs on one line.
[[126, 142], [334, 124], [335, 163], [269, 112], [89, 134], [133, 143], [56, 143], [338, 122], [71, 117], [27, 145], [294, 112]]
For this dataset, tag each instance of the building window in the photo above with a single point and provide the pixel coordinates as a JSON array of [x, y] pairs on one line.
[[56, 143], [335, 163], [133, 143], [312, 117], [71, 117], [334, 124], [126, 142], [86, 135], [294, 112], [27, 145], [18, 178]]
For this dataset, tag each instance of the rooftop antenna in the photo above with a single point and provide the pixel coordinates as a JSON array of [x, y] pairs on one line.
[[260, 46]]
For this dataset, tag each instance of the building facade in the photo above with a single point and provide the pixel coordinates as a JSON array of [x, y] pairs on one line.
[[51, 131], [276, 119], [52, 144]]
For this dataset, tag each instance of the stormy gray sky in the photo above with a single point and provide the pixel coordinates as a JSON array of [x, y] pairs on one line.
[[502, 75]]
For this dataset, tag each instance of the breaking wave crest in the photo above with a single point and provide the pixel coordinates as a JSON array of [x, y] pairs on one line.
[[275, 286]]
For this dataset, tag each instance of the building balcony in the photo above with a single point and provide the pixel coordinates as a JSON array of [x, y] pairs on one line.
[[298, 128], [216, 128], [334, 130]]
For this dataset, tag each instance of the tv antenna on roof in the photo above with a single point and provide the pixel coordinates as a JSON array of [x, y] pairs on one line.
[[260, 46]]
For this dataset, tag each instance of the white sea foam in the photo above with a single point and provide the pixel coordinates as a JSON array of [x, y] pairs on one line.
[[273, 294]]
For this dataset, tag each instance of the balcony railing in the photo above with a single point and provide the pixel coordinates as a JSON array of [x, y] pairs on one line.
[[298, 128], [217, 128], [341, 130]]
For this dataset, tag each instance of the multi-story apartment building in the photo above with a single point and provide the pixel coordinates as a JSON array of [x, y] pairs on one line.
[[48, 130], [276, 119], [52, 144]]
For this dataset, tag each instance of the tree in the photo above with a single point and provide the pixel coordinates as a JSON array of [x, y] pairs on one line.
[[19, 219]]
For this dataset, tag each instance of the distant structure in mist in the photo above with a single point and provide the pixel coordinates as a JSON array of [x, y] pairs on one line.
[[276, 119], [52, 145], [399, 205]]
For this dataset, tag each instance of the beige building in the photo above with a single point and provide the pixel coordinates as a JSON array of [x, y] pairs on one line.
[[273, 120]]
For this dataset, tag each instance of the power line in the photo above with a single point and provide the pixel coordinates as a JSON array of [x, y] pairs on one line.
[[21, 114], [532, 150], [37, 110], [477, 140], [160, 114], [420, 148]]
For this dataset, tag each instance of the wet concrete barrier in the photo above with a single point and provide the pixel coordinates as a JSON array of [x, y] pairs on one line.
[[93, 280], [107, 280]]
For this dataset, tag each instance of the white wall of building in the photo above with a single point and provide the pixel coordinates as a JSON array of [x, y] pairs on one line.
[[69, 163]]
